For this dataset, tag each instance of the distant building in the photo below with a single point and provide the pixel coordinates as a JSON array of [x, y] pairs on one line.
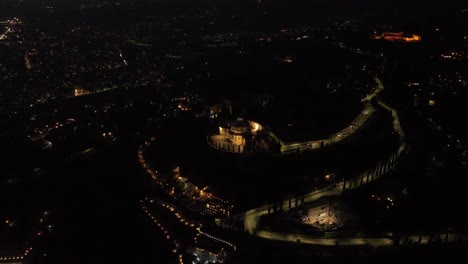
[[80, 92], [398, 37], [234, 136]]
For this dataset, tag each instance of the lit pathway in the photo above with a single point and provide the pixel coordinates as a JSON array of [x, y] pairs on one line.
[[184, 221], [176, 244], [361, 241], [325, 241], [359, 121], [251, 217]]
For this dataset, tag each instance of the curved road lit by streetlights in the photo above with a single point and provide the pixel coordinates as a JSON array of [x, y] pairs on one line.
[[251, 217]]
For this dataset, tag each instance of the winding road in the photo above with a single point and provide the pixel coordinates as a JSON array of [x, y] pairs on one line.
[[251, 217]]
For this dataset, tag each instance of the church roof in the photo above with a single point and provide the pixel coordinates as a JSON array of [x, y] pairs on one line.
[[240, 122]]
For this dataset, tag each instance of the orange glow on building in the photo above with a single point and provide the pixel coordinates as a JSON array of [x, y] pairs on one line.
[[398, 37], [80, 92]]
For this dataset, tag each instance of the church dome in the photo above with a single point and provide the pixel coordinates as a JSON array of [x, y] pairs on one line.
[[240, 126]]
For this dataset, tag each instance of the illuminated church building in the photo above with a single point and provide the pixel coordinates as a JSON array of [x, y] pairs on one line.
[[235, 136]]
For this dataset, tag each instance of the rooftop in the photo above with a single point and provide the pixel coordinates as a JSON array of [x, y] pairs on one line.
[[240, 122]]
